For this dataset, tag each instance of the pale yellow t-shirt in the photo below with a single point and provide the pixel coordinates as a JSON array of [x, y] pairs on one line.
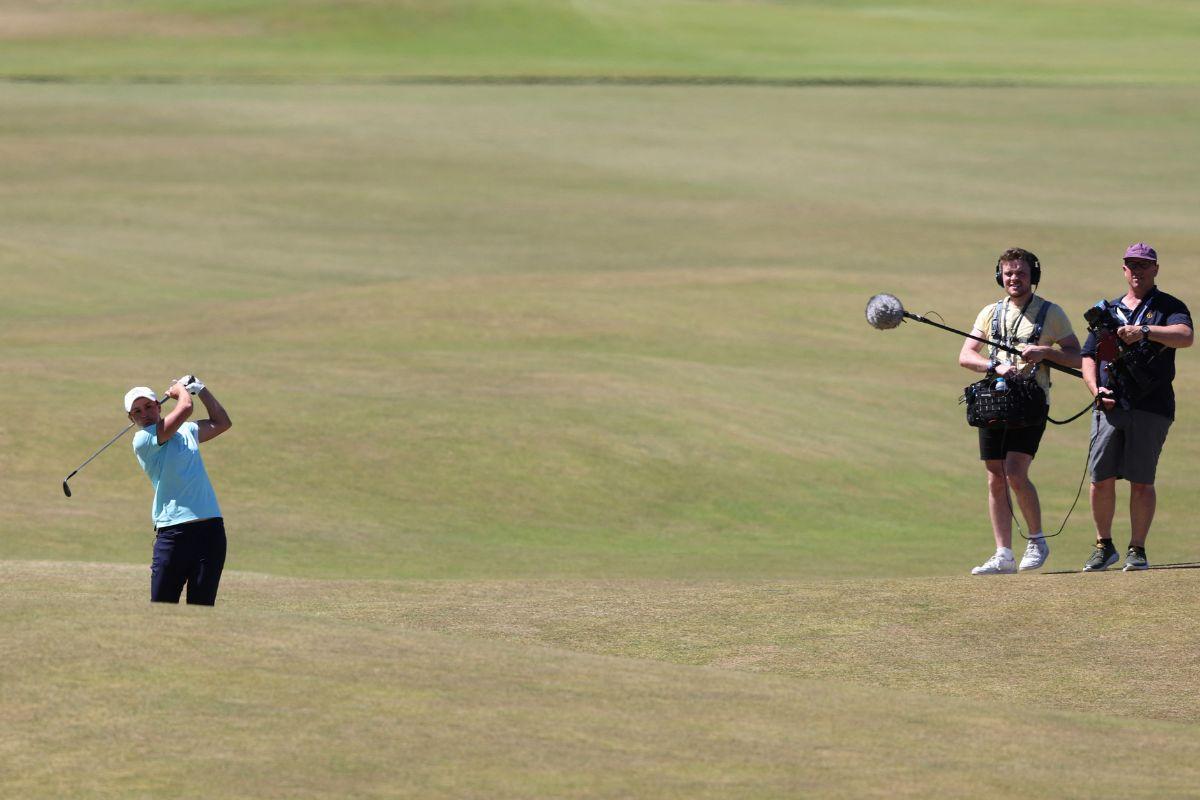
[[1056, 328]]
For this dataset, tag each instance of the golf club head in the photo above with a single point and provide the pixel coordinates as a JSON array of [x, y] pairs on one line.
[[66, 489]]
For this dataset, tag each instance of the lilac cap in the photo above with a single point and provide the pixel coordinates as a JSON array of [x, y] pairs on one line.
[[1143, 251]]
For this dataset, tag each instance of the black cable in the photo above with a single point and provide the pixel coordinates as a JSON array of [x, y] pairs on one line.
[[1082, 411], [1078, 493]]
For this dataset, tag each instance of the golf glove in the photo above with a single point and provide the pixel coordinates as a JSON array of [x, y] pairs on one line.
[[192, 384]]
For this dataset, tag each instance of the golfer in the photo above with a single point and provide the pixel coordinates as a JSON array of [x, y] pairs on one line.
[[1032, 325], [189, 543]]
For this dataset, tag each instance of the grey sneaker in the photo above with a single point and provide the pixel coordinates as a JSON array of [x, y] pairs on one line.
[[1035, 554], [1103, 557], [1135, 559]]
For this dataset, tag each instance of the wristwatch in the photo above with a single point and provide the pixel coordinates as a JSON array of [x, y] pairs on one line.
[[1145, 333]]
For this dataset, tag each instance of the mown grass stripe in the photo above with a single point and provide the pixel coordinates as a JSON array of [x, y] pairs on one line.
[[543, 80]]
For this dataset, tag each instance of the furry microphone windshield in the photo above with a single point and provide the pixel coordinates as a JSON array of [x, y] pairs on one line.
[[884, 311]]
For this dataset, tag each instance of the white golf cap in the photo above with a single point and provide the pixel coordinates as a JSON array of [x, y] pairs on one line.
[[135, 393]]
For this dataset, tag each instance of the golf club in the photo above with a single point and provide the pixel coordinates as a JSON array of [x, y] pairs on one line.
[[885, 311], [66, 488]]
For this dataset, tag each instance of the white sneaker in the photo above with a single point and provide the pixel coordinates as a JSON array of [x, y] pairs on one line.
[[1035, 554], [996, 565]]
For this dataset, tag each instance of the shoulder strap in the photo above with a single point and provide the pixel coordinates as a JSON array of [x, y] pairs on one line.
[[996, 312], [1040, 322]]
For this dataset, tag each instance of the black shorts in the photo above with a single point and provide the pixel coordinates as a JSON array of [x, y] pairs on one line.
[[996, 443]]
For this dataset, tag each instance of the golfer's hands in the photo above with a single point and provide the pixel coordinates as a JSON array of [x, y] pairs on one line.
[[1105, 400], [192, 384], [177, 390]]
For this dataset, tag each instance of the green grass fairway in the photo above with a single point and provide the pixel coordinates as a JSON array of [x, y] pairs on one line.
[[543, 331], [1022, 41], [564, 463], [320, 689]]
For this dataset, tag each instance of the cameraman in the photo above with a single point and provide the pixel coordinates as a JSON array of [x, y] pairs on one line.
[[1128, 364], [1033, 325]]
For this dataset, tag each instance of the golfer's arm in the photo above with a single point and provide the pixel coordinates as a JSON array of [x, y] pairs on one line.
[[169, 425], [218, 419]]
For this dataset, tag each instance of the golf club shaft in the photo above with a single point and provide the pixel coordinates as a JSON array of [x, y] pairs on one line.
[[101, 450], [108, 444], [1005, 348]]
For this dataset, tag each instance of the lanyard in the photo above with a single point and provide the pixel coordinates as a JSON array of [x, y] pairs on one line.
[[1004, 337], [1139, 313]]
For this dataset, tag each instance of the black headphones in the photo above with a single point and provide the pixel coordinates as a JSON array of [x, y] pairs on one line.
[[1035, 266]]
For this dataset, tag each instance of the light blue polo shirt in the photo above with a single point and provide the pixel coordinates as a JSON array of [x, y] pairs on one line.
[[182, 491]]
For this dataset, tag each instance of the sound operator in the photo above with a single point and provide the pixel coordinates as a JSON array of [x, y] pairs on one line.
[[1032, 324]]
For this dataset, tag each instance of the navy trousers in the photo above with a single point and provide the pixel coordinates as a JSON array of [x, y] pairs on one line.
[[192, 553]]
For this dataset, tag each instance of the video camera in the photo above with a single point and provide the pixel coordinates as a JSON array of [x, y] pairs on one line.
[[1100, 318], [1130, 376]]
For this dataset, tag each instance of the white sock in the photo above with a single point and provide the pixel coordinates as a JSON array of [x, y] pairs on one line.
[[1038, 535], [1005, 552]]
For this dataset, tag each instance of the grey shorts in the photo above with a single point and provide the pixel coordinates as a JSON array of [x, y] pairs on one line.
[[1126, 444]]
